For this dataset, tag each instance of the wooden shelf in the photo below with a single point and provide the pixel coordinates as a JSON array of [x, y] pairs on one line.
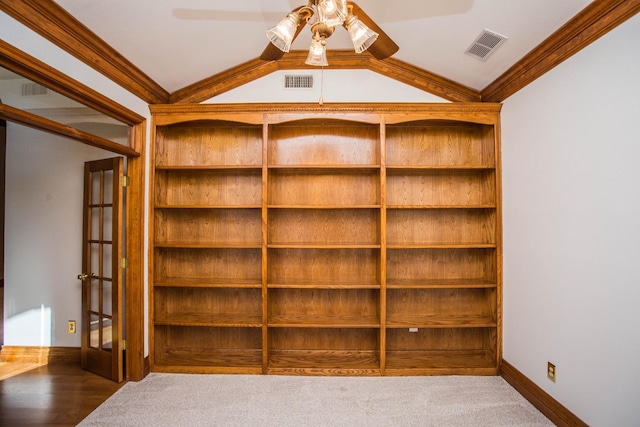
[[323, 321], [324, 362], [399, 207], [238, 320], [438, 321], [441, 284], [207, 207], [323, 265], [316, 167], [227, 349], [418, 169], [183, 282], [212, 245], [327, 207], [326, 241], [324, 284], [221, 168], [442, 246], [440, 363], [322, 246]]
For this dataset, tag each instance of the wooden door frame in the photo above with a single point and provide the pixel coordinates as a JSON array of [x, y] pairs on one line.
[[3, 156], [37, 71]]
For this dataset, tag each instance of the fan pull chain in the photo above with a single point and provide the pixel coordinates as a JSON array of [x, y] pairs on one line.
[[321, 101]]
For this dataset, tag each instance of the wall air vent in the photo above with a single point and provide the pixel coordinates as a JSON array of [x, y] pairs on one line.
[[486, 43], [33, 89], [298, 81]]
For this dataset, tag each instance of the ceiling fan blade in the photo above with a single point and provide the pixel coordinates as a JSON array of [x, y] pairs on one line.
[[272, 53], [383, 47]]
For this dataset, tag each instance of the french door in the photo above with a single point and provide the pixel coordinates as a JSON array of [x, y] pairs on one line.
[[102, 322]]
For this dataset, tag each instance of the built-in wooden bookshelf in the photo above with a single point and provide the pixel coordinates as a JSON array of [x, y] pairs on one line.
[[326, 240]]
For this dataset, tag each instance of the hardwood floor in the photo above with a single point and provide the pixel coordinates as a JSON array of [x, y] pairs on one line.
[[52, 395]]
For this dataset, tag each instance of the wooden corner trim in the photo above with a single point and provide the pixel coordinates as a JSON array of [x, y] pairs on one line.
[[594, 21], [55, 24], [546, 404]]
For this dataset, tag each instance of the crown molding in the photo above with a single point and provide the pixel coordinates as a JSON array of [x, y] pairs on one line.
[[55, 24], [594, 21], [52, 22], [339, 59], [223, 82]]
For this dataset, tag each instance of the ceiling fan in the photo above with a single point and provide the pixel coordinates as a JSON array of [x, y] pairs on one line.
[[324, 16]]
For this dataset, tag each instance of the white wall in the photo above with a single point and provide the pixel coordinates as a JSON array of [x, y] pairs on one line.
[[571, 177], [332, 85], [26, 40], [43, 236]]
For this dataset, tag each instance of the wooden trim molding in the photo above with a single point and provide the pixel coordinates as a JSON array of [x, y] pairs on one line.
[[41, 355], [134, 289], [31, 120], [19, 62], [424, 80], [52, 22], [294, 60], [594, 21], [546, 404], [55, 24], [223, 82]]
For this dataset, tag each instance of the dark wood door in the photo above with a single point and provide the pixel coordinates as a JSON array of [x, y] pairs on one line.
[[102, 322]]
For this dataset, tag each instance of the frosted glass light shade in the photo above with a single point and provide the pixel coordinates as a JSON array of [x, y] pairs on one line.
[[281, 36], [361, 35], [332, 12], [317, 54]]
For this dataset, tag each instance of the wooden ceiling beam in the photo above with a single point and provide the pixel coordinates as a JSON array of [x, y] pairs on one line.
[[594, 21], [55, 24]]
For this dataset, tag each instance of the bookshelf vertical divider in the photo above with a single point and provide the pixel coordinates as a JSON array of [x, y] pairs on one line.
[[265, 183], [346, 239], [383, 245]]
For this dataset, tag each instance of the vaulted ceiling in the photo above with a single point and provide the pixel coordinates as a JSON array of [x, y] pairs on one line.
[[190, 50]]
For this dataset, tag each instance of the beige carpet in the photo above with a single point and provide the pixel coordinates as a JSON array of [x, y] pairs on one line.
[[257, 400]]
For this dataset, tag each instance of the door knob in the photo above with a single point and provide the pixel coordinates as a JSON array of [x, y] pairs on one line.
[[84, 276]]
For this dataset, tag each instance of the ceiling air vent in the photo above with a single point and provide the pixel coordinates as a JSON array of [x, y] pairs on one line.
[[298, 81], [486, 43], [33, 89]]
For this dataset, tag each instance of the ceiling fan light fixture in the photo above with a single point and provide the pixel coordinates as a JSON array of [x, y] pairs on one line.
[[281, 36], [361, 36], [317, 53], [332, 12]]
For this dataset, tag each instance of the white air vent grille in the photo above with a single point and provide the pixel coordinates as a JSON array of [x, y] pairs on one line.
[[486, 43], [298, 81], [33, 89]]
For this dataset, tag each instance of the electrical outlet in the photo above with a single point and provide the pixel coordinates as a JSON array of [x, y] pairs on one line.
[[71, 326], [551, 371], [413, 329]]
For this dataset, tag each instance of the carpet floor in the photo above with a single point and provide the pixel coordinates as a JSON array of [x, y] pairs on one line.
[[264, 400]]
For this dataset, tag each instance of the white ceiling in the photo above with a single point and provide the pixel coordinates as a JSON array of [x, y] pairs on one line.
[[179, 42]]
